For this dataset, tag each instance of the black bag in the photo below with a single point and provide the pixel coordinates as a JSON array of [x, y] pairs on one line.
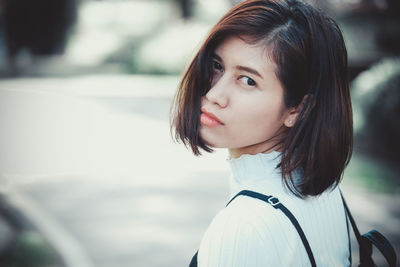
[[365, 241]]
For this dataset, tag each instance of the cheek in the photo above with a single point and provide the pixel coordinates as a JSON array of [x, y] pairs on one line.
[[259, 121]]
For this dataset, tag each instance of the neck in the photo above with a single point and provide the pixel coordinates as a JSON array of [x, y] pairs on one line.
[[254, 149]]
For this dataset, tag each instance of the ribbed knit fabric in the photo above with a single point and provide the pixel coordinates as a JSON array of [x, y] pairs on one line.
[[251, 233]]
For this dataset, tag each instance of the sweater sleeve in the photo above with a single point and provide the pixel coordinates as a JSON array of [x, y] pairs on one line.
[[239, 237]]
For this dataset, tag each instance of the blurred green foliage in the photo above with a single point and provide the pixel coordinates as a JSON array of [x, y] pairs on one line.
[[369, 173], [376, 106]]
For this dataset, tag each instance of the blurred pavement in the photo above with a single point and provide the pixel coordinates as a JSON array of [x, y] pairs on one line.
[[91, 162]]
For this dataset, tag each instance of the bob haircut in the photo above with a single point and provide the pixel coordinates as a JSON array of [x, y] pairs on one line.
[[308, 48]]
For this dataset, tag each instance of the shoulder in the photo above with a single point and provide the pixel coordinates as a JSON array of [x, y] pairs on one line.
[[243, 217], [249, 232]]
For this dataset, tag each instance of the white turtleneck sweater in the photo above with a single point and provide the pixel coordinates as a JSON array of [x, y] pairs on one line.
[[251, 233]]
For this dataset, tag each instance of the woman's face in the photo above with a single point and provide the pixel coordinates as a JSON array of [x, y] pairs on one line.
[[244, 109]]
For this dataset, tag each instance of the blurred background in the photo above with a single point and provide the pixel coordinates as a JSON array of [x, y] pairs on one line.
[[89, 174]]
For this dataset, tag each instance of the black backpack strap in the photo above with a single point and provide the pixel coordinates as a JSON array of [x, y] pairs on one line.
[[366, 241], [193, 262], [274, 202]]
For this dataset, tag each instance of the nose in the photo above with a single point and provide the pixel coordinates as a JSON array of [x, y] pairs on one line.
[[218, 93]]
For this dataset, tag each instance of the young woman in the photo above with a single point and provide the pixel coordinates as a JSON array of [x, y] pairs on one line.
[[270, 84]]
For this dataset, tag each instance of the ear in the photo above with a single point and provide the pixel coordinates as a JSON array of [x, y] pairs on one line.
[[291, 117], [293, 113]]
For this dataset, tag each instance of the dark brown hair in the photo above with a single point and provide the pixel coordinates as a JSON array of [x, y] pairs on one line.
[[311, 56]]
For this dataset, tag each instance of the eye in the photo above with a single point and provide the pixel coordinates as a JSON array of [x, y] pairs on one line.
[[247, 81], [217, 66]]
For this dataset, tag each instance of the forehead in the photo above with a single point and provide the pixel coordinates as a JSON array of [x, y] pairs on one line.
[[236, 51]]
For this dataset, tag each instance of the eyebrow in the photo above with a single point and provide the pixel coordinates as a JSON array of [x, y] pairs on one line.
[[239, 67], [250, 70], [217, 57]]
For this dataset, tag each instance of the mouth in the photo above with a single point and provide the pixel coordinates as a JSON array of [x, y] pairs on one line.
[[209, 119]]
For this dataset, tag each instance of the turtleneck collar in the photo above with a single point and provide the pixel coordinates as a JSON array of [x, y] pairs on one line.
[[257, 171]]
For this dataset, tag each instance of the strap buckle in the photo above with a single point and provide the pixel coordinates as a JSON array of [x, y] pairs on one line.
[[273, 201]]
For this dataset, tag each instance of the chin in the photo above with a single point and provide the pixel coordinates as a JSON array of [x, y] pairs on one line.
[[212, 139], [211, 143]]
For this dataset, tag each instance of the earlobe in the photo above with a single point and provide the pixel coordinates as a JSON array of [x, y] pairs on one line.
[[290, 117], [294, 112], [289, 122]]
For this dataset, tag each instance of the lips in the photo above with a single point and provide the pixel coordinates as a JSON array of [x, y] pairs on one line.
[[209, 119]]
